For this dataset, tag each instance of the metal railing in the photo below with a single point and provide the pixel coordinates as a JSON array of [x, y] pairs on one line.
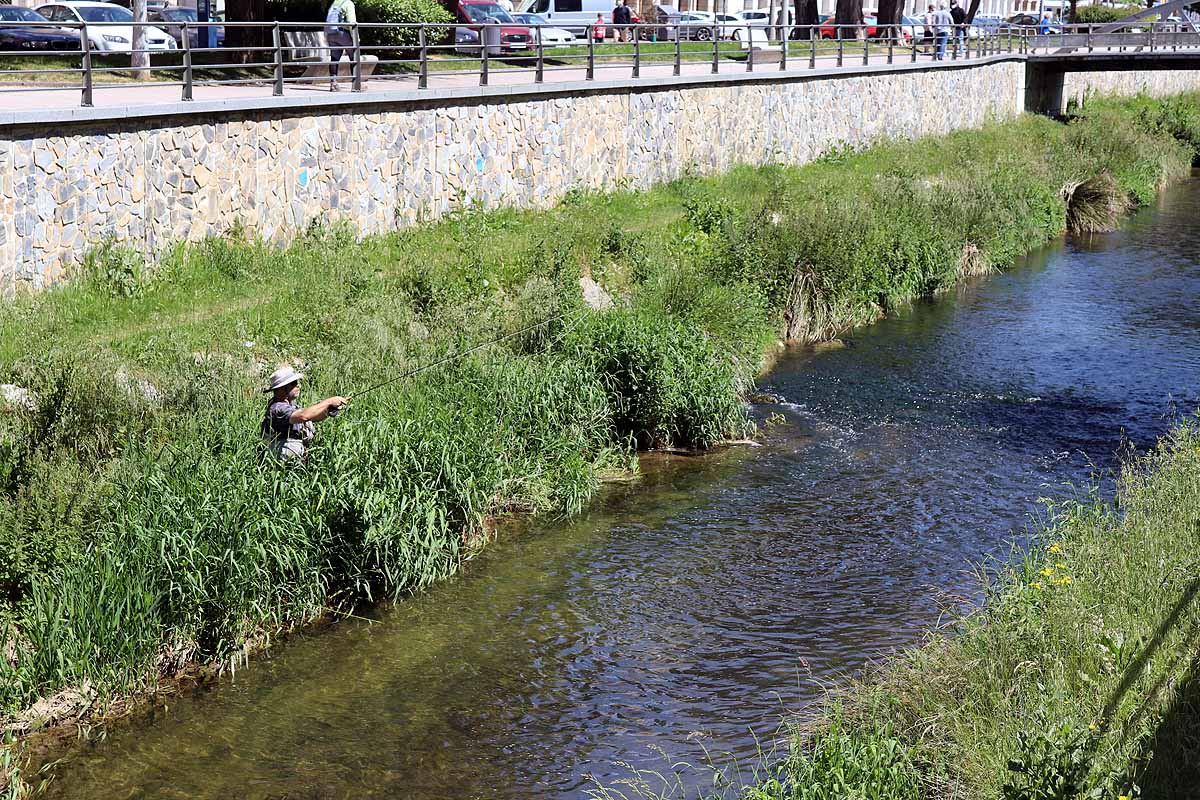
[[277, 58], [1140, 37]]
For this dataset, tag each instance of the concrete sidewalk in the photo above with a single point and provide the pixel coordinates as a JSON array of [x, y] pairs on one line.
[[147, 96]]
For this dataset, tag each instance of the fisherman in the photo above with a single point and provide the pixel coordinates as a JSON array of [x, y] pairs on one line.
[[286, 427]]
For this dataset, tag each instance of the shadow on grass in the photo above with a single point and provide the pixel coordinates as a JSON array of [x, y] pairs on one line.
[[1173, 755]]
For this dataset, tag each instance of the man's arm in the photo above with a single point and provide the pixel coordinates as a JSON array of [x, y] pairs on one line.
[[317, 411]]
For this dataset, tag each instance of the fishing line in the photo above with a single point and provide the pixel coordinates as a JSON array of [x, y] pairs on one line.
[[456, 356]]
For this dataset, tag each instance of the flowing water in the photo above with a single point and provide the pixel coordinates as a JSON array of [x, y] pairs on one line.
[[687, 612]]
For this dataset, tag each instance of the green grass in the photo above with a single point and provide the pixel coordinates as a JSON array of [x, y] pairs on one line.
[[139, 531]]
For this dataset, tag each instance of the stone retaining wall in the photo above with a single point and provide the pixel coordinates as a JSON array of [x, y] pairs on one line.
[[150, 183], [1078, 86]]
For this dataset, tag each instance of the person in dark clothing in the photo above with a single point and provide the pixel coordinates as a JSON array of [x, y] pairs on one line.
[[622, 17], [960, 23]]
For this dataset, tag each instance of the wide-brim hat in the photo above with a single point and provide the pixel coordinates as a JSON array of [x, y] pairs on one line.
[[283, 377]]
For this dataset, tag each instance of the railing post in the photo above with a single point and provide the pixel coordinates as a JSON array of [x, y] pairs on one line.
[[423, 66], [837, 29], [866, 46], [591, 57], [186, 36], [783, 45], [813, 35], [86, 44], [914, 45], [1151, 37], [750, 51], [484, 57], [678, 53], [891, 43], [716, 37], [356, 67], [277, 44], [637, 51], [1089, 37], [540, 72]]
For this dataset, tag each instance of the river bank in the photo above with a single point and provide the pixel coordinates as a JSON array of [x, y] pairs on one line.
[[708, 279]]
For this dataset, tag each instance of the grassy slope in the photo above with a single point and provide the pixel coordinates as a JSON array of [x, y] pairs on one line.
[[139, 533]]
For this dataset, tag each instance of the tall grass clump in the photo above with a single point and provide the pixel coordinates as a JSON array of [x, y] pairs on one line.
[[141, 531]]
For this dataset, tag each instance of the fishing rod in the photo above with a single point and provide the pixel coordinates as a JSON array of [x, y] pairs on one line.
[[455, 356]]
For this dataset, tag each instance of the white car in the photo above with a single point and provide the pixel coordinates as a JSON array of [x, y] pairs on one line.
[[551, 37], [112, 29]]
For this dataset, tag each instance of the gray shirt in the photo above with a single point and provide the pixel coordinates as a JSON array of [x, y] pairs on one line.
[[942, 21], [277, 426]]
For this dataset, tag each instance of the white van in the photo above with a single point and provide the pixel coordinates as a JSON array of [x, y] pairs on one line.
[[574, 15]]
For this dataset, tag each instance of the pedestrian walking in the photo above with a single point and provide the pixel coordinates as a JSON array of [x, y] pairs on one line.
[[622, 17], [340, 14], [598, 32], [960, 25], [942, 24], [287, 429], [1044, 24], [927, 19]]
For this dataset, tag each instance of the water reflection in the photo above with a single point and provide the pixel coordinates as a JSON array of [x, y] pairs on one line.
[[688, 612]]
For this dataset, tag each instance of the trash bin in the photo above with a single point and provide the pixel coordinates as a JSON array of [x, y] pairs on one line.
[[667, 20], [491, 37]]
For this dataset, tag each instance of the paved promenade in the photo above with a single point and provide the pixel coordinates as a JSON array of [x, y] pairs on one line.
[[502, 74]]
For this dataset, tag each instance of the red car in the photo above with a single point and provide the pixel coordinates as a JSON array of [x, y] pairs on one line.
[[474, 13], [828, 31]]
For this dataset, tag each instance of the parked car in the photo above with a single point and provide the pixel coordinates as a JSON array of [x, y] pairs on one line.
[[988, 22], [1030, 21], [509, 38], [32, 37], [549, 35], [170, 19], [829, 28], [694, 25], [113, 31], [574, 15], [151, 5]]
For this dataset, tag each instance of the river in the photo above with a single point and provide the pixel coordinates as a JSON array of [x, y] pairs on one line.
[[687, 612]]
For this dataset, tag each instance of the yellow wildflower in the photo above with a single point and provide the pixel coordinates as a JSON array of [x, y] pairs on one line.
[[1054, 548], [1064, 580], [1046, 571], [1036, 584], [1092, 726], [1061, 565]]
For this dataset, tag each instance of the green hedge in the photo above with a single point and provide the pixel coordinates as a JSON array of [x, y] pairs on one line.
[[384, 11], [1099, 14]]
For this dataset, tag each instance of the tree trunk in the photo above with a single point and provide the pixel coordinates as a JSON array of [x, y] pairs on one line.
[[890, 12], [847, 12], [1073, 14], [972, 10], [807, 16], [239, 37], [139, 59]]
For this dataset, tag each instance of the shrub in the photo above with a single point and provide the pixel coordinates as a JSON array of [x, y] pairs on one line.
[[396, 12], [1095, 14]]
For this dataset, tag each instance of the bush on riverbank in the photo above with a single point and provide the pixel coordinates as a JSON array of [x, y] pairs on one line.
[[139, 531]]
